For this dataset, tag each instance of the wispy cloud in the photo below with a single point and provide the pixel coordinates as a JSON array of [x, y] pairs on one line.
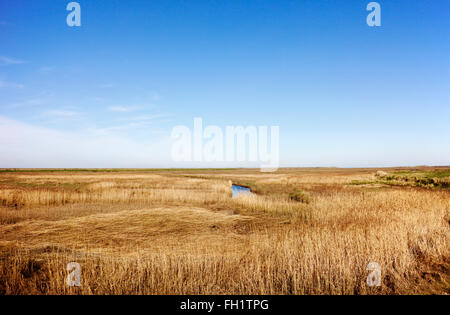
[[6, 84], [150, 123], [25, 145], [27, 103], [6, 61], [144, 117], [126, 109], [46, 70], [122, 109], [123, 127], [63, 113], [107, 85]]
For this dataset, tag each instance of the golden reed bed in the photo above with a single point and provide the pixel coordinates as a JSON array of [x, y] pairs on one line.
[[180, 232]]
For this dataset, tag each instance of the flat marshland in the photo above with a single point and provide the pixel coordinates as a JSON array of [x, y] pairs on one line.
[[303, 231]]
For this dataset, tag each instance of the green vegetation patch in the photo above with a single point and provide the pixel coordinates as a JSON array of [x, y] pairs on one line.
[[427, 179], [288, 191]]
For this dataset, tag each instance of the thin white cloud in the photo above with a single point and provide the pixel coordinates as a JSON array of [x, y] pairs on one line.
[[121, 109], [6, 84], [46, 70], [107, 86], [123, 127], [97, 99], [147, 123], [126, 109], [26, 103], [6, 61], [144, 117], [63, 113], [26, 145]]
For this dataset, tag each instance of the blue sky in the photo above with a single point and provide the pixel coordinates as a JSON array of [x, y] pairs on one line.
[[108, 93]]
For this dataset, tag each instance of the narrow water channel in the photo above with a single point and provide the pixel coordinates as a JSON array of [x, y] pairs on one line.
[[237, 191]]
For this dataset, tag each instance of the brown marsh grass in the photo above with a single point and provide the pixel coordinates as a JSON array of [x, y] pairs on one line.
[[180, 232]]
